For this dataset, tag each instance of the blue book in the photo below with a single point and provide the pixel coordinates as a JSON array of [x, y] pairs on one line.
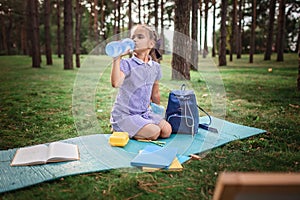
[[155, 156]]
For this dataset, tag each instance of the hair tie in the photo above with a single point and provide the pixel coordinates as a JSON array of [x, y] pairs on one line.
[[157, 54]]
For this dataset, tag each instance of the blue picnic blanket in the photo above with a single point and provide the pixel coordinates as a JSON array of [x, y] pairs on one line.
[[96, 154]]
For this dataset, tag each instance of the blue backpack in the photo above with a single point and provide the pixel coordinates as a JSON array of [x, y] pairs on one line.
[[182, 112]]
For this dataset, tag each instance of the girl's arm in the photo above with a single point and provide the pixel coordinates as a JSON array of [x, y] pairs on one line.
[[155, 96], [117, 76]]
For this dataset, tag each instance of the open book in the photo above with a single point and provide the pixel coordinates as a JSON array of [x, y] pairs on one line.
[[42, 153]]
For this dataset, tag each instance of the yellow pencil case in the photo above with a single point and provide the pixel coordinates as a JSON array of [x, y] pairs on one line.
[[119, 139]]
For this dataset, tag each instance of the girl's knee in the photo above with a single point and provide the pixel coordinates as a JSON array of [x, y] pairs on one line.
[[154, 136], [166, 132], [150, 132], [166, 129]]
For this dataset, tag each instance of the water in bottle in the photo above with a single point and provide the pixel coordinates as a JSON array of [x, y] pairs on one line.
[[117, 48], [113, 49]]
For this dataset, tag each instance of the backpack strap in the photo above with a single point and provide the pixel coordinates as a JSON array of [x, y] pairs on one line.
[[183, 87], [206, 126]]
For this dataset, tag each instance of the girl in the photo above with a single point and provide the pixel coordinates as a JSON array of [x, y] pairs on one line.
[[138, 81]]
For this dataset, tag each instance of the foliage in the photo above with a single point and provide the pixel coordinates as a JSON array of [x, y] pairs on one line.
[[12, 19], [36, 108]]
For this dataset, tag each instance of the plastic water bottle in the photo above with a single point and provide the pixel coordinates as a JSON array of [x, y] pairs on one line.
[[117, 48]]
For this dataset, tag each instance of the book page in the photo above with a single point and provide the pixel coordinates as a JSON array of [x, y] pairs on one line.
[[60, 151], [30, 155]]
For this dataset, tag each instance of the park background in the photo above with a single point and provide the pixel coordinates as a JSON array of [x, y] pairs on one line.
[[254, 44]]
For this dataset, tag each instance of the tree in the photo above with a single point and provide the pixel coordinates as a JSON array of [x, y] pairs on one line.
[[194, 55], [35, 33], [103, 20], [205, 49], [3, 41], [269, 45], [24, 40], [291, 25], [117, 16], [58, 35], [140, 11], [7, 18], [200, 26], [162, 37], [156, 14], [48, 49], [214, 29], [233, 35], [68, 35], [91, 19], [95, 23], [148, 15], [239, 32], [298, 79], [222, 52], [77, 32], [281, 28], [129, 14], [253, 27], [181, 48]]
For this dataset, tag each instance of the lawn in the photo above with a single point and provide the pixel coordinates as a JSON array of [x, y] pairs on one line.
[[38, 106]]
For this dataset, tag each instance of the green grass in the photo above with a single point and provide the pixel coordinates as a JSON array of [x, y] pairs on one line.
[[36, 107]]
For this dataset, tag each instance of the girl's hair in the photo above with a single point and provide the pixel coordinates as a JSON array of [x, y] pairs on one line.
[[154, 53]]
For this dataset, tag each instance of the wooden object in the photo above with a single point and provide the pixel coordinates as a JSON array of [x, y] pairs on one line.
[[258, 186]]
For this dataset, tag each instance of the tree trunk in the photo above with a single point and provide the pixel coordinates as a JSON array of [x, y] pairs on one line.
[[58, 35], [24, 39], [48, 51], [298, 80], [253, 27], [222, 54], [103, 20], [24, 30], [119, 16], [35, 34], [95, 23], [181, 47], [68, 35], [156, 14], [239, 32], [140, 11], [77, 32], [148, 7], [194, 58], [162, 37], [8, 33], [298, 41], [91, 20], [116, 14], [214, 29], [205, 49], [29, 26], [233, 30], [3, 31], [281, 28], [129, 15], [269, 45], [144, 7], [200, 27]]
